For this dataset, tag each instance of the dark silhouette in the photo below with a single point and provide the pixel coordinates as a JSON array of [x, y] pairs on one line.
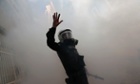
[[73, 62]]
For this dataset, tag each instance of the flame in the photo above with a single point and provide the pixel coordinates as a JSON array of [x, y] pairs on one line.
[[50, 9]]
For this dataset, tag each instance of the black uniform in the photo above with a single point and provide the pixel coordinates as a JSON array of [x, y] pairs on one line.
[[71, 60]]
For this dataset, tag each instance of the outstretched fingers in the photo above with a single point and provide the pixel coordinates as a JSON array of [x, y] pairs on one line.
[[56, 21], [55, 15], [58, 17], [60, 22]]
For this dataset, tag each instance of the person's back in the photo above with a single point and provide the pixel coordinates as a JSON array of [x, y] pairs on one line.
[[70, 58]]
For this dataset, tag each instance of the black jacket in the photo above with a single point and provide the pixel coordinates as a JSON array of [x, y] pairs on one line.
[[71, 60]]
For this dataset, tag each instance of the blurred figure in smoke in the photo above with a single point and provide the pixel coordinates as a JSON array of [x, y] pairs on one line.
[[73, 62]]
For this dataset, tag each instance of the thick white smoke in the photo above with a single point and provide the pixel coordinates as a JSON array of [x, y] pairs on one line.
[[107, 30]]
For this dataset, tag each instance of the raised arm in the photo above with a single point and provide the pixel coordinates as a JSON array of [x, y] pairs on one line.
[[51, 33]]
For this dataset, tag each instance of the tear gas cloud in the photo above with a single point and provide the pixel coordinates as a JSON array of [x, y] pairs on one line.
[[108, 33]]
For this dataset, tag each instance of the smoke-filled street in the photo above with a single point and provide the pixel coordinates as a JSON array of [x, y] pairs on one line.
[[108, 32]]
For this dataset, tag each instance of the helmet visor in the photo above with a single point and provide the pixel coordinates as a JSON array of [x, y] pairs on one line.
[[66, 35]]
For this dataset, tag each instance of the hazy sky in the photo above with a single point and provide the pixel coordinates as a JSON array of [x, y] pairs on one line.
[[108, 32]]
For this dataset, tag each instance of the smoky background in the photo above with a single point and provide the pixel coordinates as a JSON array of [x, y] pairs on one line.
[[108, 33]]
